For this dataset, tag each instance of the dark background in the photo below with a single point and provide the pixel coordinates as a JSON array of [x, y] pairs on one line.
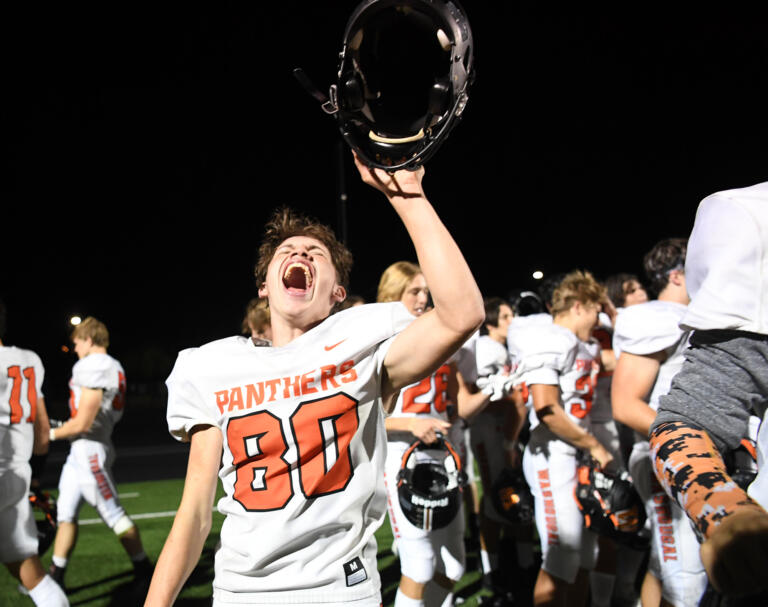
[[143, 146]]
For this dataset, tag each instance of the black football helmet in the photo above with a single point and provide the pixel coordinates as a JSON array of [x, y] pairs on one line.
[[430, 493], [512, 497], [610, 504], [404, 73]]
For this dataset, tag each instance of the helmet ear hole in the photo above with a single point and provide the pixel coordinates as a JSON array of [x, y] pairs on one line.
[[352, 93]]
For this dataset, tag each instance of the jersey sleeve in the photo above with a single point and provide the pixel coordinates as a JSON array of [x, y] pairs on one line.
[[398, 319], [95, 372], [186, 407], [645, 329], [545, 354]]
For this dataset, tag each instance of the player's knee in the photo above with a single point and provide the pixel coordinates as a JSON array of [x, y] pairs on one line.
[[420, 569], [123, 525], [454, 570]]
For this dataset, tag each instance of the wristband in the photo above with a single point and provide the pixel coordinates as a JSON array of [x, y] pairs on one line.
[[52, 434]]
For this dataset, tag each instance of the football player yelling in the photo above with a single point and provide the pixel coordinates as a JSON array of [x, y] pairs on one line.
[[294, 430]]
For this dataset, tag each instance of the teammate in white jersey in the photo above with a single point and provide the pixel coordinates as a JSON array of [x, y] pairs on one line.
[[24, 430], [431, 561], [559, 363], [651, 346], [295, 431], [96, 402]]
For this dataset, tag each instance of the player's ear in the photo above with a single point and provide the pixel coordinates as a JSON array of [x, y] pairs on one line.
[[263, 289], [339, 294]]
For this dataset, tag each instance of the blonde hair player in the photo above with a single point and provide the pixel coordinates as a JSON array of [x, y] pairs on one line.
[[97, 399], [294, 430], [559, 363]]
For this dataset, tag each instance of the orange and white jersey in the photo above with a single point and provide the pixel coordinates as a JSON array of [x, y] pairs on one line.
[[553, 355], [21, 384], [303, 455], [649, 328], [99, 372]]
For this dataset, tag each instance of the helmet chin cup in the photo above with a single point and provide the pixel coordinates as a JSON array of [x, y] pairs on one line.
[[405, 69]]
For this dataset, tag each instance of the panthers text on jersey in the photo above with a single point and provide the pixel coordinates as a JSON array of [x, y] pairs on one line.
[[303, 455]]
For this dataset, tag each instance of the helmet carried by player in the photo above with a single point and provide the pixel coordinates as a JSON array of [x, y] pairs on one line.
[[610, 503], [44, 507], [404, 73], [429, 488], [512, 497]]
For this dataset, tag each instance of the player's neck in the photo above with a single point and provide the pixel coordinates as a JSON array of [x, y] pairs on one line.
[[570, 321], [675, 294], [285, 331]]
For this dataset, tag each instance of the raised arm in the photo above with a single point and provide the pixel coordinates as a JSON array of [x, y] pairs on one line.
[[192, 523], [431, 339]]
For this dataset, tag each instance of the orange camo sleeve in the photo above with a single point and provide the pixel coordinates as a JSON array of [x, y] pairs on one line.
[[692, 472]]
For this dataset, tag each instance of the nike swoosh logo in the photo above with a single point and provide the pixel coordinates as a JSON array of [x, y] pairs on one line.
[[329, 348]]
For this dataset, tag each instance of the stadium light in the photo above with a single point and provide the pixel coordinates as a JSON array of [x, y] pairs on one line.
[[538, 275], [75, 320]]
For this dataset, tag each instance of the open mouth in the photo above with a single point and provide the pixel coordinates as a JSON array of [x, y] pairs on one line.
[[297, 277]]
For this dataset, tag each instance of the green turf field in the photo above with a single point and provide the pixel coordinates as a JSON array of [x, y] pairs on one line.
[[100, 573]]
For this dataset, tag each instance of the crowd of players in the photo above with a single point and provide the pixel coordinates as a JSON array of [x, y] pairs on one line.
[[530, 391]]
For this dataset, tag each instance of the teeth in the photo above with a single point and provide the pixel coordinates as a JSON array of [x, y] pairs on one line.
[[298, 266]]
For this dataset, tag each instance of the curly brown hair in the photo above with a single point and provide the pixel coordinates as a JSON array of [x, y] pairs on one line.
[[284, 224]]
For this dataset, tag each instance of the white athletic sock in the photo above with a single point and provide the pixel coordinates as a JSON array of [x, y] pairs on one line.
[[489, 561], [601, 585], [405, 601], [48, 594], [60, 561]]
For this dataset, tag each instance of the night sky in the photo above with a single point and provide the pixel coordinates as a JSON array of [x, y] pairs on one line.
[[143, 148]]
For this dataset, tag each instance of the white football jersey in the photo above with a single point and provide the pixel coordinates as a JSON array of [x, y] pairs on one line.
[[99, 371], [303, 456], [553, 355], [426, 398], [21, 384], [520, 325], [492, 357], [652, 327]]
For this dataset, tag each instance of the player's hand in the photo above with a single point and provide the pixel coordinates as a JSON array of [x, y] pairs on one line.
[[736, 554], [497, 386], [426, 428], [402, 183], [601, 454]]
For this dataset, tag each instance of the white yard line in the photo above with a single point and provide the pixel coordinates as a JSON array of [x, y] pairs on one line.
[[168, 513]]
